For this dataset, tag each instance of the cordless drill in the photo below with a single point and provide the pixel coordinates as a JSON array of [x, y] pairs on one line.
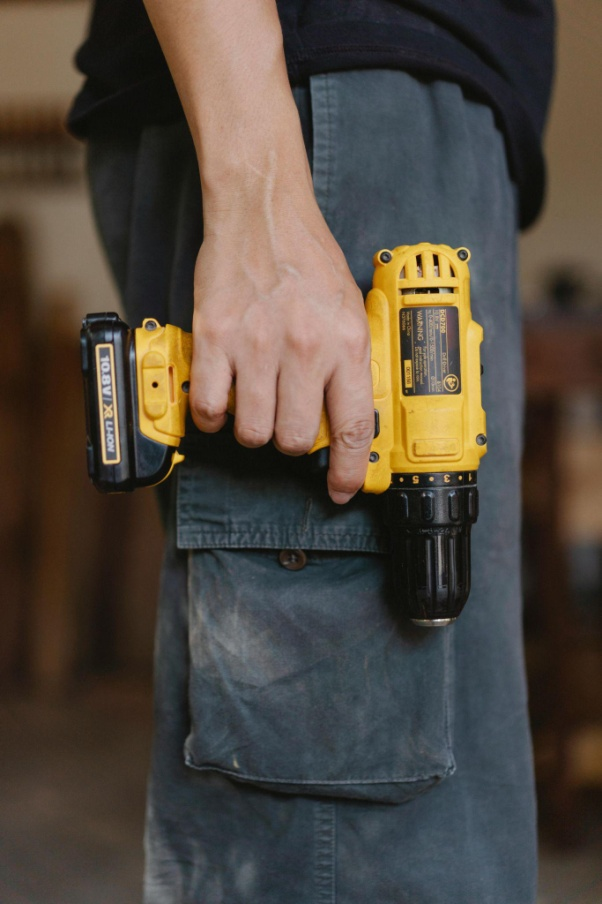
[[429, 431]]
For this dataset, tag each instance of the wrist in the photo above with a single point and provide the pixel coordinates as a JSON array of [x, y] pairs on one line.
[[257, 172]]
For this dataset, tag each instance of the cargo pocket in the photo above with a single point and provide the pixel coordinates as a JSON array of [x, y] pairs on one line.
[[303, 679]]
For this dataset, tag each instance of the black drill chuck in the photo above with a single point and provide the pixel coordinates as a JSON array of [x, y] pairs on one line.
[[429, 518]]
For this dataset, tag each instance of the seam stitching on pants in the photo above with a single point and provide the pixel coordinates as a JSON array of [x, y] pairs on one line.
[[306, 514], [322, 783], [328, 86], [448, 690], [320, 88], [324, 847]]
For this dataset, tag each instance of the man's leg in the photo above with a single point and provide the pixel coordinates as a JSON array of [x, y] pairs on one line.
[[395, 161]]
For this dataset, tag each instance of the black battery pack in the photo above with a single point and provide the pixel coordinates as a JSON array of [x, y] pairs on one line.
[[120, 458]]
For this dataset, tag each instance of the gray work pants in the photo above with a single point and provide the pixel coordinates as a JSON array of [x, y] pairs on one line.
[[311, 747]]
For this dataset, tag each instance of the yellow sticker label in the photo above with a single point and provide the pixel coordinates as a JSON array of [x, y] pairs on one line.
[[107, 404], [430, 342], [408, 372]]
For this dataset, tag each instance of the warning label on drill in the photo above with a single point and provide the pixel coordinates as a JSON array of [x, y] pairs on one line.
[[107, 405], [430, 351]]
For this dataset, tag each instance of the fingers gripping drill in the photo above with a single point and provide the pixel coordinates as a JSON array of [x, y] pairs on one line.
[[429, 424]]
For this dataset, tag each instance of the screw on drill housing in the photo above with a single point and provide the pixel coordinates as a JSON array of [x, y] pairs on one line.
[[481, 439], [463, 254], [151, 325], [374, 456], [186, 386], [385, 256]]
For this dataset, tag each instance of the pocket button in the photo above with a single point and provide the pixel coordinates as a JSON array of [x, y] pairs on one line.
[[293, 559]]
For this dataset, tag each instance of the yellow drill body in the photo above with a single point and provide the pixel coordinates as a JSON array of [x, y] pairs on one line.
[[429, 424]]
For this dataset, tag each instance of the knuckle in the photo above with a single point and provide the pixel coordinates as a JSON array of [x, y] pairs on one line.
[[355, 435], [206, 410], [292, 442], [252, 435], [357, 341], [304, 342], [212, 332], [261, 341]]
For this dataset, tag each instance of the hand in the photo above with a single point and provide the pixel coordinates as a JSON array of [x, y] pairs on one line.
[[277, 309]]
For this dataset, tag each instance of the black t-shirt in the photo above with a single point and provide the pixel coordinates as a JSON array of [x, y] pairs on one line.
[[500, 51]]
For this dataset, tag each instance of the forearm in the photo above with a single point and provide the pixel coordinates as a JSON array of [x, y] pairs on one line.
[[227, 61], [275, 306]]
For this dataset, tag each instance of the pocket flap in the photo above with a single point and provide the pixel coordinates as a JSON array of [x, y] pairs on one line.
[[260, 499]]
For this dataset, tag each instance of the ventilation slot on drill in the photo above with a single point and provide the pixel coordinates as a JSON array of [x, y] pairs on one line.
[[427, 267], [427, 290]]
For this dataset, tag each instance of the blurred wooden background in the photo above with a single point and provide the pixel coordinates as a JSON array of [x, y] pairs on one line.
[[79, 570]]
